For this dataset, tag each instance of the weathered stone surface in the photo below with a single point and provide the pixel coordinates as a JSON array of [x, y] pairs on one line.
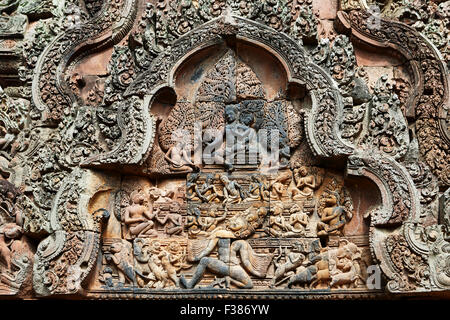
[[223, 148], [326, 9]]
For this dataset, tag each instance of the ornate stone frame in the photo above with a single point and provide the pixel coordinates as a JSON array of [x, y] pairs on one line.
[[430, 102], [323, 137]]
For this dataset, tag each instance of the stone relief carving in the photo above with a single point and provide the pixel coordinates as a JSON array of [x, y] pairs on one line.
[[430, 77], [387, 129], [15, 249], [103, 192]]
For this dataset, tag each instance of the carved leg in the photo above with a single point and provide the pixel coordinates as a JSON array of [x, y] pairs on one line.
[[148, 231]]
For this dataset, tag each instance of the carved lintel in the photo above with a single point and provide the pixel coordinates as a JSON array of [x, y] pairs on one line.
[[181, 229]]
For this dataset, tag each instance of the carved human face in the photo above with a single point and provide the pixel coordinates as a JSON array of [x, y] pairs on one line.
[[174, 247], [350, 251], [180, 145], [193, 177], [262, 212], [277, 210], [252, 216], [209, 179], [247, 119], [10, 195], [155, 193], [296, 208], [303, 171], [298, 247], [155, 246]]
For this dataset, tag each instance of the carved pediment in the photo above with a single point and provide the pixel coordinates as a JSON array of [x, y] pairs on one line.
[[269, 148]]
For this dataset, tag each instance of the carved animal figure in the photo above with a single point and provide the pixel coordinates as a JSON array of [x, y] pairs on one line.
[[157, 269], [167, 261], [322, 275], [344, 265], [155, 264], [172, 261]]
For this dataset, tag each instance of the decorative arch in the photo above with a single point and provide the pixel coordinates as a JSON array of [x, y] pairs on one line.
[[405, 248], [429, 102]]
